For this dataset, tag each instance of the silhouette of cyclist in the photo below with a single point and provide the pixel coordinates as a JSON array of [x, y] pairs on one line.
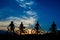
[[21, 27], [37, 27], [11, 25], [53, 27]]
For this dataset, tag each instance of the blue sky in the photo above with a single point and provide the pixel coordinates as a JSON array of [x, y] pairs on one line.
[[30, 11]]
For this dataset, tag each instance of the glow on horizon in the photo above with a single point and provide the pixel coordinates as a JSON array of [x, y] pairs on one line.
[[28, 30]]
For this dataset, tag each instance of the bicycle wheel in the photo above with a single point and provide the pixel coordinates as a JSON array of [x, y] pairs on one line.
[[33, 31]]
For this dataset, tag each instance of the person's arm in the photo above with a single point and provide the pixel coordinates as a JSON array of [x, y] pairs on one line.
[[8, 27]]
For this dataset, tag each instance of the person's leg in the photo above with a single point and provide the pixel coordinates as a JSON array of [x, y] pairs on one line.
[[37, 31], [22, 30], [13, 29], [10, 29]]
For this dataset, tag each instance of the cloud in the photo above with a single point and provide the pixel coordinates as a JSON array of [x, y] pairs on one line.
[[31, 13], [20, 0], [28, 18], [17, 20], [25, 4], [29, 3]]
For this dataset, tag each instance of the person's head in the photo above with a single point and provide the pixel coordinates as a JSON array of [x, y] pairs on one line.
[[53, 22], [11, 22], [37, 22], [21, 22]]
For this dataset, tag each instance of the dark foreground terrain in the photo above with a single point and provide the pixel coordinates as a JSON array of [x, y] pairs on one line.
[[13, 36]]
